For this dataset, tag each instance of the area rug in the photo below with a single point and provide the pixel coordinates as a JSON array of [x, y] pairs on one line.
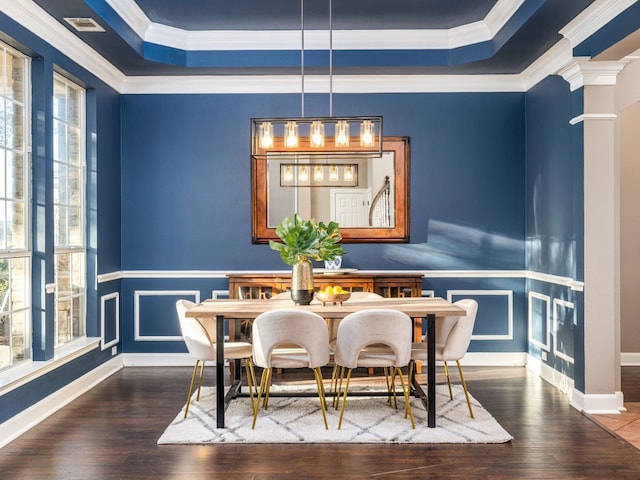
[[366, 420]]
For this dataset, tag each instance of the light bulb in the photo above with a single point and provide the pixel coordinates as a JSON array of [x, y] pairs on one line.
[[318, 174], [291, 135], [367, 137], [266, 135], [317, 134], [348, 173], [333, 173], [288, 174], [342, 134], [304, 173]]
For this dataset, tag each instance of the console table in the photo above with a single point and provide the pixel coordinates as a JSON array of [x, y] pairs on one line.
[[388, 284]]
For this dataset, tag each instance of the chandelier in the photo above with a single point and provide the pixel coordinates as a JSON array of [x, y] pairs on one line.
[[361, 136]]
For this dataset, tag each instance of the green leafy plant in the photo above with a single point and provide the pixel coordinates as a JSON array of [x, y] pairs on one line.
[[307, 239]]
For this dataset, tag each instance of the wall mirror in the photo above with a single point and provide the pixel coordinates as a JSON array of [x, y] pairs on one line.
[[368, 197]]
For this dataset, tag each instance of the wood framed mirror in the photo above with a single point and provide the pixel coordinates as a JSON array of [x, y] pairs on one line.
[[374, 208]]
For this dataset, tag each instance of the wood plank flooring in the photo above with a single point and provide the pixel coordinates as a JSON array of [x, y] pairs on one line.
[[111, 433]]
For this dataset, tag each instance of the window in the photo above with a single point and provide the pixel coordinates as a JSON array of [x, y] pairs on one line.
[[69, 209], [15, 255]]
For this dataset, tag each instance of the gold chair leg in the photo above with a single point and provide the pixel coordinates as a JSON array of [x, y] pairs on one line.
[[251, 381], [336, 399], [193, 379], [464, 386], [265, 404], [256, 409], [446, 372], [344, 398], [323, 404], [201, 377], [405, 390]]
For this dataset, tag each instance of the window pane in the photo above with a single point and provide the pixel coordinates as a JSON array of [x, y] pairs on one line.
[[59, 99], [76, 231], [15, 176], [15, 272], [16, 87], [60, 183], [61, 227], [59, 141], [16, 227], [3, 141]]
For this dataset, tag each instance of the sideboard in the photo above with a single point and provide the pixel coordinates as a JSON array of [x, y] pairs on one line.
[[387, 284]]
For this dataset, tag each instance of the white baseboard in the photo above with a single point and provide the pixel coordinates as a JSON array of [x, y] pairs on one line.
[[588, 403], [554, 377], [630, 359], [157, 360], [494, 359], [27, 419], [598, 403]]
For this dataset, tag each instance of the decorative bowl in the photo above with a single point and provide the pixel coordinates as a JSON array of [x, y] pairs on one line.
[[333, 297]]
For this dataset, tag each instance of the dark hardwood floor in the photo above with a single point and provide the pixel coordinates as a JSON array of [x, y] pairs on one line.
[[111, 433]]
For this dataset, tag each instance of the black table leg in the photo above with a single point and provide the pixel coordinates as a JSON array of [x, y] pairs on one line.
[[220, 371], [431, 370]]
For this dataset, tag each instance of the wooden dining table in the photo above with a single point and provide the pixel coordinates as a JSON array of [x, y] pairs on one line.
[[427, 309]]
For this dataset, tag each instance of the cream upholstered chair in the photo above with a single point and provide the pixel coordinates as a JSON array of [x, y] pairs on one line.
[[288, 327], [201, 343], [453, 337], [364, 328]]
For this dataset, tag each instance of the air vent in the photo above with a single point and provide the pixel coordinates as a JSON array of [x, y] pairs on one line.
[[84, 24]]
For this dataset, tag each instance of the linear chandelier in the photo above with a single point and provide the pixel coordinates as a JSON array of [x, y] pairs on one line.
[[318, 175], [361, 136]]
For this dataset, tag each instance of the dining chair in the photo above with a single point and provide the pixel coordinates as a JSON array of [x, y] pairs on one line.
[[333, 323], [275, 328], [200, 338], [362, 329], [453, 337]]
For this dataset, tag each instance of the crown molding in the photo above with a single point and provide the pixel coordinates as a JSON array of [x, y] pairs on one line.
[[36, 20], [204, 84], [593, 19], [424, 39]]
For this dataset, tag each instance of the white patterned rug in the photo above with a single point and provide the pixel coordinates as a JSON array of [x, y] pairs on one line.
[[366, 420]]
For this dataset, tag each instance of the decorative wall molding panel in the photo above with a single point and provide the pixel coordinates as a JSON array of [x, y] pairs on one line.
[[543, 343], [454, 295], [142, 322]]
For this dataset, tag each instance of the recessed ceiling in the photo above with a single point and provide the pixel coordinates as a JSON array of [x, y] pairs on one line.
[[258, 37]]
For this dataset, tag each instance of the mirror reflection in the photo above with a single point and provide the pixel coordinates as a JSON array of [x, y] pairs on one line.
[[355, 192], [368, 196]]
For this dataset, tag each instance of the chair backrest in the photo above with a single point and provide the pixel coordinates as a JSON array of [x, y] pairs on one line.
[[374, 327], [285, 327], [446, 324], [458, 340], [198, 341]]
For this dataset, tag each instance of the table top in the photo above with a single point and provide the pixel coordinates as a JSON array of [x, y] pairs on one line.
[[249, 309]]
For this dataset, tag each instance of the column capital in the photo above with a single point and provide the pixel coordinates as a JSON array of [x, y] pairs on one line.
[[582, 71]]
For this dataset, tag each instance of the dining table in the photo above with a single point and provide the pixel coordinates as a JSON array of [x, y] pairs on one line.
[[421, 309]]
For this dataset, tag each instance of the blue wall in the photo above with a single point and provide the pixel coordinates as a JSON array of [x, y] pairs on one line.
[[186, 192], [185, 180], [555, 224]]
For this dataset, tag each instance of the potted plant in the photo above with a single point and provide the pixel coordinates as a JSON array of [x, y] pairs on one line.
[[303, 241]]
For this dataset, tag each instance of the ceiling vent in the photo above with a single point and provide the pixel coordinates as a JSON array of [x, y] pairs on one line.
[[84, 24]]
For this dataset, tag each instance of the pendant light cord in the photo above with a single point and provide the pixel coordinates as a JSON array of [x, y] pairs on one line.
[[330, 60], [302, 56]]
